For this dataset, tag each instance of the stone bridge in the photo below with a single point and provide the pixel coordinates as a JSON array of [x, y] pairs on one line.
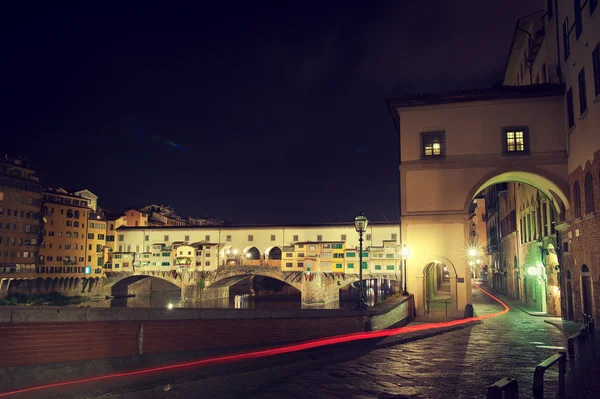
[[316, 288]]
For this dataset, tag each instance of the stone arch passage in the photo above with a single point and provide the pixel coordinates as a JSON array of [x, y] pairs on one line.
[[550, 186]]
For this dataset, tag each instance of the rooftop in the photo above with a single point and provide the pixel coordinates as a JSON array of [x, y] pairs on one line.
[[491, 93], [258, 226]]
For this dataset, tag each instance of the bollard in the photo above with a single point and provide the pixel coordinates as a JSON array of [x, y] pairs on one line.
[[506, 388], [538, 375]]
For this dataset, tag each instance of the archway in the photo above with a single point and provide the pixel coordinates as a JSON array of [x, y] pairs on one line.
[[587, 294], [251, 253], [273, 253], [522, 211], [569, 294], [144, 291], [440, 287], [553, 188]]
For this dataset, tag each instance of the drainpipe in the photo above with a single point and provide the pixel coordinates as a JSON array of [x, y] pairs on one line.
[[559, 72]]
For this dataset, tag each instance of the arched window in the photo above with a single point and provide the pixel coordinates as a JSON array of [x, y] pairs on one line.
[[68, 234], [585, 269], [588, 189], [75, 235], [576, 200], [75, 224], [67, 246], [74, 246], [69, 223], [69, 213]]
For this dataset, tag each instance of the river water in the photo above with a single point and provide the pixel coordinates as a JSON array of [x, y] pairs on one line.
[[376, 292]]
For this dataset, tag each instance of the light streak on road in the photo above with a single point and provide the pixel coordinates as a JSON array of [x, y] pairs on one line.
[[339, 339]]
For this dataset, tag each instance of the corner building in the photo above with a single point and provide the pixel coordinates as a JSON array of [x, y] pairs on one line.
[[561, 44], [63, 251]]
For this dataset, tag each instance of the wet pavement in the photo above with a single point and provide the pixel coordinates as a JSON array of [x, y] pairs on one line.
[[457, 364]]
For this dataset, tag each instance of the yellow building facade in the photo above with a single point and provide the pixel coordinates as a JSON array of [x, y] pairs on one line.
[[63, 250]]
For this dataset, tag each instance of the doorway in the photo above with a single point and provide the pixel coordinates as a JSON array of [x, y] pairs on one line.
[[586, 290], [569, 296]]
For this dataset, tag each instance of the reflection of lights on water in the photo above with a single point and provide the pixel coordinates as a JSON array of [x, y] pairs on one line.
[[552, 347]]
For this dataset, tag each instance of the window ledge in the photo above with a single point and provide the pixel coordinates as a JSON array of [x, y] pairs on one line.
[[582, 116]]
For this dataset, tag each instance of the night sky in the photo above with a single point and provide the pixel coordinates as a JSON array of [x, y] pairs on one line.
[[250, 112]]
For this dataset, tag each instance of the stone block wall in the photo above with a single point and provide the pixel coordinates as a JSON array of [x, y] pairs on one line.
[[583, 239]]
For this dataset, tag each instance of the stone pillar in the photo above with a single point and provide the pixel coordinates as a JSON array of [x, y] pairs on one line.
[[419, 295], [193, 293], [319, 290]]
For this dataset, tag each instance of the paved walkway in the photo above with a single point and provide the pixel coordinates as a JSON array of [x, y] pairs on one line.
[[457, 364]]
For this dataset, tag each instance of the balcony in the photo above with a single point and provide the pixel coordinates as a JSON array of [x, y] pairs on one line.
[[70, 263]]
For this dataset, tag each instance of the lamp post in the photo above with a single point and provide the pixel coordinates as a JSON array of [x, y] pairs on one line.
[[360, 223], [405, 253]]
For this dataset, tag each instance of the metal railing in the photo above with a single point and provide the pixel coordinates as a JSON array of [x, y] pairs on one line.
[[506, 388], [582, 353], [538, 374], [581, 358]]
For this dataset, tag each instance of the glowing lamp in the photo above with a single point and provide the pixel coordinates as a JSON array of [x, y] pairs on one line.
[[472, 252], [248, 255], [405, 252], [360, 223], [235, 251], [170, 306]]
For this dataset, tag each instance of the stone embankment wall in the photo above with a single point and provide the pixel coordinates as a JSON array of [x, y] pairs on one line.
[[40, 340]]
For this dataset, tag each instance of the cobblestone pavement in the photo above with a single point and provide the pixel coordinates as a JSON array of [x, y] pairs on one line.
[[457, 364]]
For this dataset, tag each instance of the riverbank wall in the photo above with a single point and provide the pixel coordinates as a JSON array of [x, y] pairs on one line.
[[45, 344]]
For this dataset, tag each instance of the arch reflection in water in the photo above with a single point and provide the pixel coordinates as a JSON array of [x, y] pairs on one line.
[[246, 296]]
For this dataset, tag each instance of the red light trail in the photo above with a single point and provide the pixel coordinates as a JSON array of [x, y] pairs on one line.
[[280, 350]]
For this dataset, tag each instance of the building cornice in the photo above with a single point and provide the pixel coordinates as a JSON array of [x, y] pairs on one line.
[[488, 160], [255, 226]]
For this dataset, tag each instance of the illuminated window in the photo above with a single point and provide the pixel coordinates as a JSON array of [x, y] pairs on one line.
[[516, 140], [432, 144]]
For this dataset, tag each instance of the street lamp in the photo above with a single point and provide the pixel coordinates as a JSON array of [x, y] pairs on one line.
[[360, 223], [405, 253]]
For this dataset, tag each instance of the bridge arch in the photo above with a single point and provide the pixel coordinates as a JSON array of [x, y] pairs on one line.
[[141, 283], [551, 186]]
